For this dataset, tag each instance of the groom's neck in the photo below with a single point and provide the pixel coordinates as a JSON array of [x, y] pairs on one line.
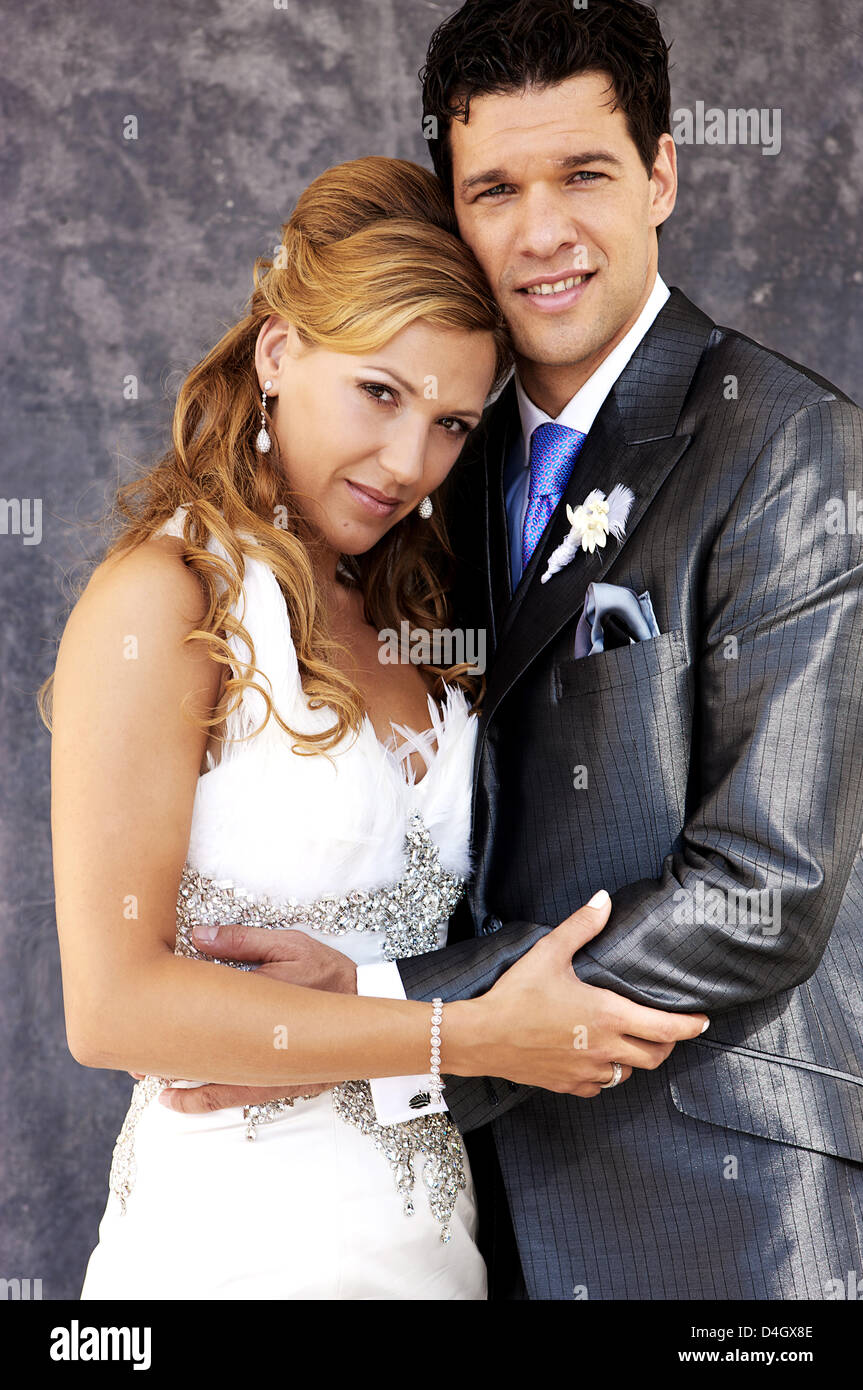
[[551, 386]]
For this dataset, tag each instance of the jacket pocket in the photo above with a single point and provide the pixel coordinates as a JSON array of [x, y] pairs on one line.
[[630, 665], [627, 715], [788, 1101]]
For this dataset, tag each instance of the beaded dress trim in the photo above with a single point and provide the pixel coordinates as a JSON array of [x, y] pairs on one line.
[[408, 913]]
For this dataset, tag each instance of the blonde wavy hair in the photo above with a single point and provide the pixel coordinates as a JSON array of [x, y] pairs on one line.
[[370, 248]]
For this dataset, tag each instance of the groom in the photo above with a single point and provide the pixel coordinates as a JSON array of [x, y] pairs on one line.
[[675, 715]]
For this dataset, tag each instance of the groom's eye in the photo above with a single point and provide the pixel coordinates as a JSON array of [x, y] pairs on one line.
[[490, 192]]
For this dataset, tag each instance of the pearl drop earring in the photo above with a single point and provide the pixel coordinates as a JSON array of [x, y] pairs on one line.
[[264, 443]]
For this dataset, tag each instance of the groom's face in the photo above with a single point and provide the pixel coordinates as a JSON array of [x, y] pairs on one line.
[[550, 191]]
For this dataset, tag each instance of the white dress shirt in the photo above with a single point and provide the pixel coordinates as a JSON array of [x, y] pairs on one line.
[[391, 1094], [579, 414]]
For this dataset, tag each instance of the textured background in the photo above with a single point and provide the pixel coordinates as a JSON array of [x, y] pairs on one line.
[[127, 257]]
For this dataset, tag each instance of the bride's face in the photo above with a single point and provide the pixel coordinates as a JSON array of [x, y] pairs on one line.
[[362, 439]]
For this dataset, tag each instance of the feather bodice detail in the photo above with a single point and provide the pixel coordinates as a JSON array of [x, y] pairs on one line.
[[287, 825]]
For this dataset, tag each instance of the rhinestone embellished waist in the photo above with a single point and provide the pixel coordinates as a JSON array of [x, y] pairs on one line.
[[408, 914]]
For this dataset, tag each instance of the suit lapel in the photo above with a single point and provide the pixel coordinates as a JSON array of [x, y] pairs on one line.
[[632, 441], [504, 424], [476, 529]]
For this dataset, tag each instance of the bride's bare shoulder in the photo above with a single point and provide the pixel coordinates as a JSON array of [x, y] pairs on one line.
[[146, 598], [152, 575]]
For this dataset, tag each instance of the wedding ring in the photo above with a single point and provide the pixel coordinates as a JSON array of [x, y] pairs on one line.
[[616, 1078]]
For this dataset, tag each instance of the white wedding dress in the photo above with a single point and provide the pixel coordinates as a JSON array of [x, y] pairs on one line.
[[357, 850]]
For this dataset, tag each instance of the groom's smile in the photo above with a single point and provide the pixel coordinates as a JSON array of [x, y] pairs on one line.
[[552, 294], [552, 195]]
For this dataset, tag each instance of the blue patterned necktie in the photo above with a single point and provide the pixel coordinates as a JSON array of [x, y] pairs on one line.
[[553, 451]]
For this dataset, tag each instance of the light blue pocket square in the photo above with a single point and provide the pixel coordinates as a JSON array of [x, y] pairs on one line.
[[611, 615]]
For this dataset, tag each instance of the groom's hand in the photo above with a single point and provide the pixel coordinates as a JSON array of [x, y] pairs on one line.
[[292, 956]]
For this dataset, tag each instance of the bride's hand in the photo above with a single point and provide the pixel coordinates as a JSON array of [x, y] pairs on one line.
[[542, 1026]]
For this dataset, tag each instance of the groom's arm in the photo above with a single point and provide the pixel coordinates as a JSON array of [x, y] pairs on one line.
[[775, 761]]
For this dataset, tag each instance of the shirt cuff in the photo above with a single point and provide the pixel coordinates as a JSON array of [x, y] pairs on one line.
[[392, 1095]]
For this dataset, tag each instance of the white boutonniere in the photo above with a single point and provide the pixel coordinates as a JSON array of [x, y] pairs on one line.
[[591, 524]]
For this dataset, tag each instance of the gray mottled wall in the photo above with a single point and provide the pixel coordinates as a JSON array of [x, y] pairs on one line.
[[127, 257]]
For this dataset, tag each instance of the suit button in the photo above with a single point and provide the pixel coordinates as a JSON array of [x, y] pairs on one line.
[[491, 924]]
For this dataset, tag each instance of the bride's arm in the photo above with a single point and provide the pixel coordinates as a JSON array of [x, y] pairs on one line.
[[124, 767], [124, 770]]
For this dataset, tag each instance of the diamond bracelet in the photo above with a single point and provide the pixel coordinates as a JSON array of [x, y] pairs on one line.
[[437, 1087]]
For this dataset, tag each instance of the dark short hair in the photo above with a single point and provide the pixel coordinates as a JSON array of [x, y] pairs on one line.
[[500, 46]]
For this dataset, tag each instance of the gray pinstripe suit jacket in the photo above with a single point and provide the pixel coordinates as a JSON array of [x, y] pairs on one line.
[[736, 1169]]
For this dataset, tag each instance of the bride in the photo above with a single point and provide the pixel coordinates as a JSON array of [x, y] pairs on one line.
[[228, 748]]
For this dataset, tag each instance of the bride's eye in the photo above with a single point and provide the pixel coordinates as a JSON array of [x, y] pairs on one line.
[[370, 387], [462, 427]]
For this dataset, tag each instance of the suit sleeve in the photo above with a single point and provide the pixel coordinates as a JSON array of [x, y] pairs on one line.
[[744, 906]]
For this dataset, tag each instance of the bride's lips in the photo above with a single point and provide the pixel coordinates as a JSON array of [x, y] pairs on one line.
[[375, 502], [556, 303]]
